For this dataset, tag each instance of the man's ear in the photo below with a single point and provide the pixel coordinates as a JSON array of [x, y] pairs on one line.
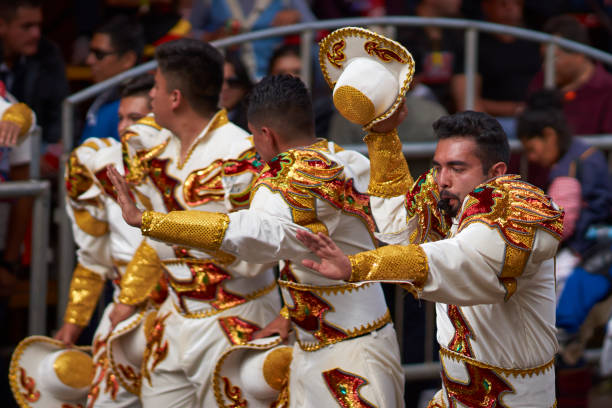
[[272, 138], [176, 99], [498, 169]]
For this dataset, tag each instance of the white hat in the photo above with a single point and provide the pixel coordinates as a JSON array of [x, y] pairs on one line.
[[254, 373], [44, 373], [369, 73], [126, 346]]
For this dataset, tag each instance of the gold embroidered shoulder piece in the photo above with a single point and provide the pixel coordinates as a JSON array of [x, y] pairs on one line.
[[422, 202], [78, 177], [516, 209], [303, 175], [137, 164]]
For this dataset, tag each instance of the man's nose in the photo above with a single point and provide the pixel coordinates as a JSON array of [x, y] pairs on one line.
[[442, 177]]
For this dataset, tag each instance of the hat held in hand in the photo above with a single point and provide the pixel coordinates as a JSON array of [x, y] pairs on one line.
[[369, 74], [43, 373]]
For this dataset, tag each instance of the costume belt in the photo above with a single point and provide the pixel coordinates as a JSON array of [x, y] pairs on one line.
[[324, 315], [201, 288], [470, 382]]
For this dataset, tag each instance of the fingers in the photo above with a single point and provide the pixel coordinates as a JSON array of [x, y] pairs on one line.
[[312, 265]]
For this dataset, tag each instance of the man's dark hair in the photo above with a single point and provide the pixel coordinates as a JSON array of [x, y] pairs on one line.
[[283, 51], [196, 69], [8, 8], [282, 101], [545, 109], [137, 86], [567, 27], [488, 134], [125, 35]]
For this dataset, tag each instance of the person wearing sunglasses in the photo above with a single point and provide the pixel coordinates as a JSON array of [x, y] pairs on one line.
[[115, 47]]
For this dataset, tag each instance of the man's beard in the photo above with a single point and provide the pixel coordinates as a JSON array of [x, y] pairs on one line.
[[444, 203]]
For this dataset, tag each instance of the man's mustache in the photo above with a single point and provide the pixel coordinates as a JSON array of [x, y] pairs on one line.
[[444, 203], [447, 195]]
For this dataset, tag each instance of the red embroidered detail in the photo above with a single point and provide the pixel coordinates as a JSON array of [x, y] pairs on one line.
[[234, 394], [106, 184], [484, 389], [164, 183], [247, 162], [463, 332], [130, 375], [345, 386], [309, 312], [205, 285], [204, 185], [286, 273], [385, 54], [512, 206], [238, 331], [104, 373], [78, 178], [154, 347], [160, 291], [31, 394], [72, 406], [337, 55], [422, 201]]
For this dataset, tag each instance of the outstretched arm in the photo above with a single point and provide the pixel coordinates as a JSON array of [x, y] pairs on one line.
[[334, 263]]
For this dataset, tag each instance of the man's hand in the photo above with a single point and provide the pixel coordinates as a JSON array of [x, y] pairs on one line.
[[9, 132], [393, 121], [131, 214], [68, 334], [120, 312], [334, 263], [280, 326]]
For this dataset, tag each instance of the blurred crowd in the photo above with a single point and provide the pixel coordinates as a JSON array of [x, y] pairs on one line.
[[51, 49]]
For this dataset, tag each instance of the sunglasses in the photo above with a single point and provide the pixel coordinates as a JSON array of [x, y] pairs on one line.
[[233, 81], [101, 54]]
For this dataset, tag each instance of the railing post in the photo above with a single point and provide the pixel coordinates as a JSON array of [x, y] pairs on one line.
[[430, 330], [37, 316], [36, 141], [398, 315], [66, 244], [549, 66], [306, 39], [471, 55]]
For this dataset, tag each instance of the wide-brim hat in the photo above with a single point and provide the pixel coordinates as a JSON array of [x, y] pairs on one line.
[[126, 346], [369, 74], [44, 373], [254, 373]]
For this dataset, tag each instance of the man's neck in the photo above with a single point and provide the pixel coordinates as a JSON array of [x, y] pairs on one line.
[[188, 127], [583, 76], [304, 141]]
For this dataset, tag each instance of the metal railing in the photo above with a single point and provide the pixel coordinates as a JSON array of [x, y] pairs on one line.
[[41, 191], [307, 31]]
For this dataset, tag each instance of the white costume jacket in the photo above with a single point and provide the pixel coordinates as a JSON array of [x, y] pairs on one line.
[[486, 269], [214, 300], [346, 351]]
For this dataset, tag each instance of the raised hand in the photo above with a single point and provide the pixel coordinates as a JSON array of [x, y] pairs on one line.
[[393, 121], [68, 334], [334, 263], [131, 214]]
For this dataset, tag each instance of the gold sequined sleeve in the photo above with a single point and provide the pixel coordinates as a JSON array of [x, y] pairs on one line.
[[85, 289], [196, 229], [391, 263], [20, 114], [141, 275], [389, 173]]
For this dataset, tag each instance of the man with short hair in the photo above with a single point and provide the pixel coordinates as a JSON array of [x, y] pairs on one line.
[[115, 47], [307, 184], [479, 243], [205, 163]]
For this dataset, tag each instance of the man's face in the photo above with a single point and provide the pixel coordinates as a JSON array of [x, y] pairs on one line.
[[263, 143], [509, 12], [21, 35], [287, 65], [161, 100], [131, 110], [447, 8], [104, 60], [542, 150], [457, 170], [568, 65]]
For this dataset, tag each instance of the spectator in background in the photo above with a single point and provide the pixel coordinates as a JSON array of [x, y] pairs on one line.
[[135, 101], [505, 66], [286, 60], [434, 49], [214, 19], [586, 85], [115, 47], [578, 180], [236, 86]]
